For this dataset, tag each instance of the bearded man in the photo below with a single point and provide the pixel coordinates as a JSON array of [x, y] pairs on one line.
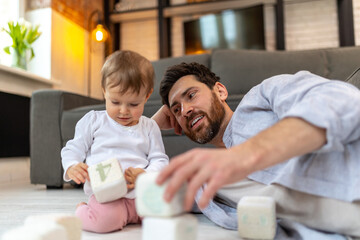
[[295, 138]]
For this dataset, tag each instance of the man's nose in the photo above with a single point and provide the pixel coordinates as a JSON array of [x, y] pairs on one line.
[[186, 109]]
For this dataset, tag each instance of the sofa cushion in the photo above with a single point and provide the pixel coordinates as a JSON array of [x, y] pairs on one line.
[[71, 117], [354, 78], [161, 66], [342, 61], [240, 70]]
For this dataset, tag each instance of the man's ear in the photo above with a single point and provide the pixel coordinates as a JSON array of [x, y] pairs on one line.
[[221, 91]]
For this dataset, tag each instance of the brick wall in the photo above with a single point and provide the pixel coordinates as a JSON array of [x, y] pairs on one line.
[[356, 6], [142, 37], [308, 25], [311, 24]]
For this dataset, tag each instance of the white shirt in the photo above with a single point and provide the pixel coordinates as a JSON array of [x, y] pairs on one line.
[[98, 137], [333, 171]]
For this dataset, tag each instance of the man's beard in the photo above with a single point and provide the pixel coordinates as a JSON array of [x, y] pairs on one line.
[[215, 118]]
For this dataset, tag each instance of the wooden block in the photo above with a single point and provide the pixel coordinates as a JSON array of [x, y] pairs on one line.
[[107, 180], [182, 227], [149, 198], [256, 217]]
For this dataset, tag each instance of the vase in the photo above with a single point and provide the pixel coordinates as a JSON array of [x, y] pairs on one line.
[[19, 59]]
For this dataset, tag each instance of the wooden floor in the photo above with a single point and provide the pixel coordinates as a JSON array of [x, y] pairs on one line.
[[21, 199]]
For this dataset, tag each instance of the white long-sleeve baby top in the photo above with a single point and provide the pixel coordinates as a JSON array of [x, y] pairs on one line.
[[98, 137]]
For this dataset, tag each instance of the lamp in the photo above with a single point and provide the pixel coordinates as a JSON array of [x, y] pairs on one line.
[[98, 34]]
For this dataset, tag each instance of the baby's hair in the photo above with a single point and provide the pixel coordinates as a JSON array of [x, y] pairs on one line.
[[129, 70]]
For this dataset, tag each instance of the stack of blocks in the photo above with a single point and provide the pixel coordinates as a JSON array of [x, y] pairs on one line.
[[162, 220], [256, 217], [47, 227], [107, 180]]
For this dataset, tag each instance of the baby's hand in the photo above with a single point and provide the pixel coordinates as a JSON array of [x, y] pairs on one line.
[[78, 173], [130, 175]]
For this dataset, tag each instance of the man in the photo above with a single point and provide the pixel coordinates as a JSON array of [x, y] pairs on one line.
[[293, 137]]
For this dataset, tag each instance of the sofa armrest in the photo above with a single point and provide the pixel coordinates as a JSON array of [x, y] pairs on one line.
[[46, 111]]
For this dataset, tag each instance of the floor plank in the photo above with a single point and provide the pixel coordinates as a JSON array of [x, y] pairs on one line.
[[22, 199]]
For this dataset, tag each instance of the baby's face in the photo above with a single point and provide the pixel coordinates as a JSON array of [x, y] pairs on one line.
[[126, 109]]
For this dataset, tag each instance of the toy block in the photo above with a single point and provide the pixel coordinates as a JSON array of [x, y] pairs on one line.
[[150, 198], [175, 228], [45, 231], [256, 217], [107, 180], [70, 223]]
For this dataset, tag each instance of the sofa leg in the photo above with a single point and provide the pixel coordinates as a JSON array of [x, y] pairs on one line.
[[54, 187]]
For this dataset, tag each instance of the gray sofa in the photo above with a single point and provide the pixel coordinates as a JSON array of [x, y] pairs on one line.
[[54, 113]]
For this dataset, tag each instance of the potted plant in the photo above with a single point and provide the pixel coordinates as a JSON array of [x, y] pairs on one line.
[[23, 34]]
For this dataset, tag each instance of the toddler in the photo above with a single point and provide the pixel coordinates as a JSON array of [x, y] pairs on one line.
[[119, 132]]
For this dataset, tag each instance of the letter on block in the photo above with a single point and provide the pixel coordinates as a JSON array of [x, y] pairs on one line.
[[70, 223], [46, 231], [256, 217], [107, 180], [176, 228], [149, 198]]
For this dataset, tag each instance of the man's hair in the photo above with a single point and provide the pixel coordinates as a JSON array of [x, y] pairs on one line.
[[174, 73], [129, 70]]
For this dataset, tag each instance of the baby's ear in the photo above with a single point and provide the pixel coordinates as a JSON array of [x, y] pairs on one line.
[[149, 94]]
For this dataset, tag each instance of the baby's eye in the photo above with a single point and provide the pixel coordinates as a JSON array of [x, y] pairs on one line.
[[134, 104], [114, 102]]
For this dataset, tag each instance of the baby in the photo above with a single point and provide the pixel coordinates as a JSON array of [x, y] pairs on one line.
[[119, 132]]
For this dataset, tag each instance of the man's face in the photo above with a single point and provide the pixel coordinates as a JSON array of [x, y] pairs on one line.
[[197, 109]]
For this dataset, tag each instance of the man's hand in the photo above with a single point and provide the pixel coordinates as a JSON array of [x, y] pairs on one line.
[[216, 167], [78, 173], [166, 120], [131, 175]]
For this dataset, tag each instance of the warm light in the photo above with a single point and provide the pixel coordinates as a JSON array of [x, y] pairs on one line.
[[100, 34]]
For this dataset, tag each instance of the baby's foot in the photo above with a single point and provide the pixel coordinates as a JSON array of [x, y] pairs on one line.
[[80, 204]]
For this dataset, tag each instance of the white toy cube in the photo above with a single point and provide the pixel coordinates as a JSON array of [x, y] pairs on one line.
[[107, 180], [70, 223], [45, 231], [256, 217], [150, 198], [175, 228]]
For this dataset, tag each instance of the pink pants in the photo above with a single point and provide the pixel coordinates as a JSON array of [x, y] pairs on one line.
[[107, 217]]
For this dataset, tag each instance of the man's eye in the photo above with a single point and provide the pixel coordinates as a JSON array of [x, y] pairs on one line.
[[176, 110], [191, 95]]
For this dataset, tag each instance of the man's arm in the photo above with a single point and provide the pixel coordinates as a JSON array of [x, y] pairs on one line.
[[217, 167], [166, 120]]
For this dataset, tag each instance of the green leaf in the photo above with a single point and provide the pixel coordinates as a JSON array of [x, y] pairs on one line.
[[22, 35], [32, 53], [7, 50]]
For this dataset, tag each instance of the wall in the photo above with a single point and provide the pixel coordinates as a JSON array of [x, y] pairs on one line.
[[311, 24], [68, 50], [308, 25], [356, 6], [141, 36], [62, 53]]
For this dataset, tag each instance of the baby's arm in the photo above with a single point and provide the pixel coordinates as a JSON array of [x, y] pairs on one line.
[[131, 175], [78, 173]]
